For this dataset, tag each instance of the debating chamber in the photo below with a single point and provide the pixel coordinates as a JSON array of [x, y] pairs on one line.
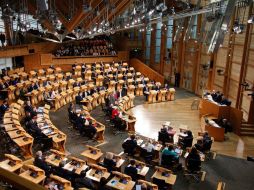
[[126, 94]]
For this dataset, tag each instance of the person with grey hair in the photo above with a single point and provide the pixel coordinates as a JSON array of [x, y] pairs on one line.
[[109, 161]]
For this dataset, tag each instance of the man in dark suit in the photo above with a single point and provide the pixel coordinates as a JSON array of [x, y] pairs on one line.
[[40, 161], [130, 145], [146, 92], [3, 108], [131, 170], [79, 98]]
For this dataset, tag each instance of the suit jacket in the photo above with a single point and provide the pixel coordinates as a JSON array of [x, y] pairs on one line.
[[78, 99], [131, 171]]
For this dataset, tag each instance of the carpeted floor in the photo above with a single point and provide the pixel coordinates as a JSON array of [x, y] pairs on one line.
[[237, 173]]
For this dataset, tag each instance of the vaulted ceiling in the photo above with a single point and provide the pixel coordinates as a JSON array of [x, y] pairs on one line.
[[62, 17]]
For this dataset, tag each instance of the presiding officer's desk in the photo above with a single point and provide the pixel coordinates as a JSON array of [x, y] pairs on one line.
[[213, 129]]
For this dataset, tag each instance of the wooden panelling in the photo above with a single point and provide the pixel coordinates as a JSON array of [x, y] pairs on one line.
[[252, 41], [238, 53], [38, 61], [14, 51], [250, 74], [147, 71], [235, 74], [251, 57], [222, 57]]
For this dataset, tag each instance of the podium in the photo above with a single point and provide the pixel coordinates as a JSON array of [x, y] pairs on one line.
[[11, 90], [19, 86], [75, 92], [70, 83], [99, 80], [58, 70], [139, 90], [130, 81], [55, 86], [40, 94], [101, 99], [63, 99], [88, 102], [120, 84], [69, 97], [162, 95], [119, 76], [59, 140], [49, 71], [138, 74], [77, 71], [131, 100], [34, 97], [112, 84], [32, 74], [171, 94], [152, 96], [57, 102], [129, 75], [95, 100], [88, 75], [126, 104], [131, 89], [63, 85]]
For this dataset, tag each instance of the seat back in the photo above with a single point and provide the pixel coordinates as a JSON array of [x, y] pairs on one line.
[[194, 165]]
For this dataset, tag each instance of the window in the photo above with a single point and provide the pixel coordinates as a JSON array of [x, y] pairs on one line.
[[193, 32], [158, 42], [148, 44], [169, 40]]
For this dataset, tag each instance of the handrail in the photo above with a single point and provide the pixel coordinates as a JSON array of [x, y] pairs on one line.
[[17, 181], [146, 70]]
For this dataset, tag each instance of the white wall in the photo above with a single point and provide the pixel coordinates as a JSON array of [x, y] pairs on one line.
[[5, 62]]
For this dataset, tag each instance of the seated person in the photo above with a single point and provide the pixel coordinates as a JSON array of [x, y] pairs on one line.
[[186, 141], [109, 161], [164, 136], [40, 162], [3, 108], [204, 144], [79, 98], [71, 113], [169, 156], [90, 129], [115, 112], [131, 170], [28, 107], [83, 181], [130, 145], [102, 184], [193, 160], [226, 125], [119, 123], [60, 171], [149, 146]]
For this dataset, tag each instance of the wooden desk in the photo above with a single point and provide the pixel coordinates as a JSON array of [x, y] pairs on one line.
[[12, 127], [142, 169], [33, 169], [96, 173], [77, 164], [218, 133], [16, 134], [150, 185], [25, 143], [59, 140], [170, 179], [92, 154], [152, 96], [11, 163], [162, 95], [55, 157], [65, 183], [121, 181]]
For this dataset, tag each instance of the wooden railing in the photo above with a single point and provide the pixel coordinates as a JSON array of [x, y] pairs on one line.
[[147, 71], [14, 51], [17, 181]]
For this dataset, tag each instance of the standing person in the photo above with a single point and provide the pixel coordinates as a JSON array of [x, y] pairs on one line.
[[177, 79], [2, 39]]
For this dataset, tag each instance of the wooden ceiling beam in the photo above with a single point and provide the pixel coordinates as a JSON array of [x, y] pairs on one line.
[[46, 23], [80, 16], [103, 11]]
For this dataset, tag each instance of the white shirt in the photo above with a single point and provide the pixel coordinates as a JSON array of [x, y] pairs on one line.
[[149, 147]]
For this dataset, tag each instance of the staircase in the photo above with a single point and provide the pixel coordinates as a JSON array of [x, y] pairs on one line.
[[247, 129]]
